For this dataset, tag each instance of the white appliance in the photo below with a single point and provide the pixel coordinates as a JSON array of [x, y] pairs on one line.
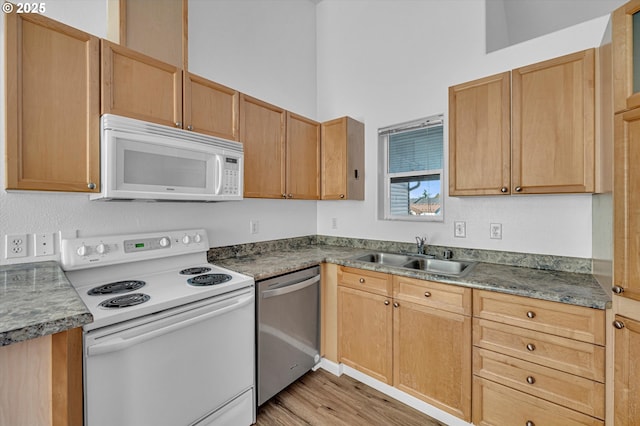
[[173, 337], [152, 162]]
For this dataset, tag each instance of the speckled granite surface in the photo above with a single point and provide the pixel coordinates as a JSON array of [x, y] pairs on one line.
[[36, 299], [568, 287]]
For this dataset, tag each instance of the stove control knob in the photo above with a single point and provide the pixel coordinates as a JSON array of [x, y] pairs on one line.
[[164, 242], [197, 238], [101, 249], [186, 239], [82, 250]]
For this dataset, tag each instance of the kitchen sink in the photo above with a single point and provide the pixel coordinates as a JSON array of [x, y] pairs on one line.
[[455, 268]]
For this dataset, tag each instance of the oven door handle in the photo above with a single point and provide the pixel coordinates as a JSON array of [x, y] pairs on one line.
[[122, 342], [290, 288]]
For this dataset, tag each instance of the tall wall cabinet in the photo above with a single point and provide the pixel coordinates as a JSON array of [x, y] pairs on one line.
[[53, 98], [626, 271]]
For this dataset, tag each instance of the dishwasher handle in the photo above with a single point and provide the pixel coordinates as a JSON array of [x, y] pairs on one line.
[[290, 288]]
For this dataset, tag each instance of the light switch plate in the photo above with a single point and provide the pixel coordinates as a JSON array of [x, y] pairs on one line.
[[460, 229]]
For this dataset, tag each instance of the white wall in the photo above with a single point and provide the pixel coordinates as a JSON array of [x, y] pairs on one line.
[[390, 61], [282, 76]]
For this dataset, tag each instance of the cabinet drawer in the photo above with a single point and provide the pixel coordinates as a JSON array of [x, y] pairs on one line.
[[561, 319], [568, 390], [361, 279], [436, 295], [571, 356], [498, 405]]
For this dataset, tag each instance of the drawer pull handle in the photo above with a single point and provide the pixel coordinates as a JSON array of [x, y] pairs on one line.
[[617, 289], [361, 280], [386, 302], [427, 294], [618, 324], [531, 380], [529, 423], [396, 304], [531, 347], [531, 314]]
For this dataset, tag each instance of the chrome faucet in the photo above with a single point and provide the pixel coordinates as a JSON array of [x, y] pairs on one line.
[[422, 245]]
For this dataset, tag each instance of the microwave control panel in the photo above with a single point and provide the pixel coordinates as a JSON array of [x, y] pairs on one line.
[[231, 175]]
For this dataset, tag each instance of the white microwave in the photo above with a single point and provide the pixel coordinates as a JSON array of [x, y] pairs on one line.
[[152, 162]]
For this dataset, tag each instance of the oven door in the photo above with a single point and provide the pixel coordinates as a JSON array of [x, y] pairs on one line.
[[178, 367]]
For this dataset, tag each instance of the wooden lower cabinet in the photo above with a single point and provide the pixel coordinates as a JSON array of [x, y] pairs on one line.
[[498, 405], [627, 372], [365, 332], [432, 356]]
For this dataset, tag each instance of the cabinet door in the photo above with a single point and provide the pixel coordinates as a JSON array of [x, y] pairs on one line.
[[52, 109], [262, 132], [303, 158], [626, 244], [210, 107], [626, 64], [342, 163], [432, 356], [139, 86], [480, 136], [365, 322], [552, 142], [627, 372]]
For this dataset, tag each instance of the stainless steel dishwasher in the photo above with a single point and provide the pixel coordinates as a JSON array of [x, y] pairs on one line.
[[288, 329]]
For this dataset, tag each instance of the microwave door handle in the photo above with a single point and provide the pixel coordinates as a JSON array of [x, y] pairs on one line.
[[219, 173]]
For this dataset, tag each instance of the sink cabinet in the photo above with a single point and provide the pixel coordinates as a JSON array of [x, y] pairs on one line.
[[548, 358], [409, 333]]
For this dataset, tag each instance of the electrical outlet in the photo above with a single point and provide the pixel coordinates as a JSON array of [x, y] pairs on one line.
[[460, 229], [254, 226], [43, 243], [334, 223], [495, 231], [16, 246]]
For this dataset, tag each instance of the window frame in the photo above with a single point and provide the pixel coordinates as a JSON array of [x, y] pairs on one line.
[[384, 177]]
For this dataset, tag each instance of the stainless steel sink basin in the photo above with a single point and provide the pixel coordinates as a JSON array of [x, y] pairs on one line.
[[438, 266], [385, 258], [455, 268]]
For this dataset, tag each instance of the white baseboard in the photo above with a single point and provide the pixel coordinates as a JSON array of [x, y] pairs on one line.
[[405, 398]]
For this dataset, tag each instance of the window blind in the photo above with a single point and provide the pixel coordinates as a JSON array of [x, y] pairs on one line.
[[415, 150]]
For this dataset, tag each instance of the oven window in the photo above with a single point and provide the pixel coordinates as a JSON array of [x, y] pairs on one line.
[[145, 168]]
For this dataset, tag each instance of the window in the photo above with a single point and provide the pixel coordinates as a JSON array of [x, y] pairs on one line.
[[411, 167]]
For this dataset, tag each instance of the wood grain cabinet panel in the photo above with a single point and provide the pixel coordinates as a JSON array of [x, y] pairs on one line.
[[302, 158], [210, 108], [497, 405], [627, 372], [480, 136], [139, 86], [447, 297], [361, 279], [52, 106], [342, 161]]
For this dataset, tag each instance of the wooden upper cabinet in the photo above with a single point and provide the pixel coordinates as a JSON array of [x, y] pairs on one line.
[[553, 125], [157, 28], [210, 107], [480, 136], [342, 161], [262, 132], [302, 158], [52, 106], [139, 86], [626, 57]]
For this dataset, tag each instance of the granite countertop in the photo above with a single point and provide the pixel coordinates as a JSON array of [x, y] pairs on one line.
[[36, 299], [566, 287]]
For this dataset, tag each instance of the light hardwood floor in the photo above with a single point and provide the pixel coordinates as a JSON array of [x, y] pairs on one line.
[[321, 399]]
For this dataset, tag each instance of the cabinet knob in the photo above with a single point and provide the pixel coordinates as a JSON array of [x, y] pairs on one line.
[[518, 189], [396, 304], [189, 127], [284, 195], [529, 423], [361, 280], [427, 294], [289, 195], [531, 380], [91, 185], [504, 189], [386, 302], [178, 124], [618, 324], [617, 289], [341, 195], [531, 314], [531, 347]]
